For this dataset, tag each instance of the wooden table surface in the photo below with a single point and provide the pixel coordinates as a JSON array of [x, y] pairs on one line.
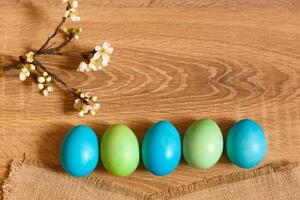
[[174, 59]]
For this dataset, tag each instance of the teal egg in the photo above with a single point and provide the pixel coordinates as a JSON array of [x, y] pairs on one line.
[[246, 144], [79, 153], [161, 148]]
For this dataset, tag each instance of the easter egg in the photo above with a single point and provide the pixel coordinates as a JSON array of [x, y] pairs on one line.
[[120, 150], [161, 148], [79, 151], [203, 144], [246, 144]]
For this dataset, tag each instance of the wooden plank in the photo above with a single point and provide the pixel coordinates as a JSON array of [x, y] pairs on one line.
[[175, 64], [203, 4]]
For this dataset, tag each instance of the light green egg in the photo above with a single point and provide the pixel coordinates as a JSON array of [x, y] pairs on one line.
[[120, 150], [203, 144]]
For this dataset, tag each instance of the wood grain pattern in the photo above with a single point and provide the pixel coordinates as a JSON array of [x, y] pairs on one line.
[[175, 60]]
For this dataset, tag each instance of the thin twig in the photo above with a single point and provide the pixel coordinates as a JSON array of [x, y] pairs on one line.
[[51, 45], [58, 48], [11, 66], [67, 53], [52, 36]]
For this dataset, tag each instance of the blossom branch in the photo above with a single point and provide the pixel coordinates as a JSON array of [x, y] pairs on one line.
[[93, 60]]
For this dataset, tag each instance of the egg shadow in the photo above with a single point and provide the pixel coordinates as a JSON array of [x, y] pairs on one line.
[[49, 146], [225, 124], [182, 125], [140, 128]]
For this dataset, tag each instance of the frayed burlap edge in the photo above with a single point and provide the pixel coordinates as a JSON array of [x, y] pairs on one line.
[[95, 181], [173, 192]]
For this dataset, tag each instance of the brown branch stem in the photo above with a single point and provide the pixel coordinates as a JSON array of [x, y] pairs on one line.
[[58, 48], [44, 46], [66, 53], [11, 66]]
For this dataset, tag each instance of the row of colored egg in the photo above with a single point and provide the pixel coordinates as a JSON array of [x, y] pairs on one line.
[[161, 147]]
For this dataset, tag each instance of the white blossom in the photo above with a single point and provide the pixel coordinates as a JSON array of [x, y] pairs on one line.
[[24, 74], [74, 4], [45, 92], [43, 84], [71, 11], [99, 59], [104, 53], [81, 113], [83, 67], [41, 79], [29, 57], [94, 98], [86, 104], [95, 64], [25, 71]]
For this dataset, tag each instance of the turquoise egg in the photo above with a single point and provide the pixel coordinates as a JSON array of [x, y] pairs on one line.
[[161, 148], [79, 153], [246, 144]]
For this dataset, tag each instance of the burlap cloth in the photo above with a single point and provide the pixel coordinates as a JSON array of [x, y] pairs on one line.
[[32, 180]]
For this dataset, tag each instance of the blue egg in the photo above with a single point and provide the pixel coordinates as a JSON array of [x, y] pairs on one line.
[[246, 144], [79, 151], [161, 148]]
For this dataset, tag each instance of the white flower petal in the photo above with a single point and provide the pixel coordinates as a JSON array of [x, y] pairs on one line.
[[96, 55], [45, 92], [106, 45], [29, 56], [94, 98], [32, 67], [74, 17], [50, 89], [82, 67], [93, 112], [48, 79], [87, 94], [41, 79], [96, 106], [105, 58], [22, 76], [93, 67], [109, 50], [98, 48], [81, 113], [67, 13], [86, 108], [74, 4], [104, 63], [40, 86], [24, 69]]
